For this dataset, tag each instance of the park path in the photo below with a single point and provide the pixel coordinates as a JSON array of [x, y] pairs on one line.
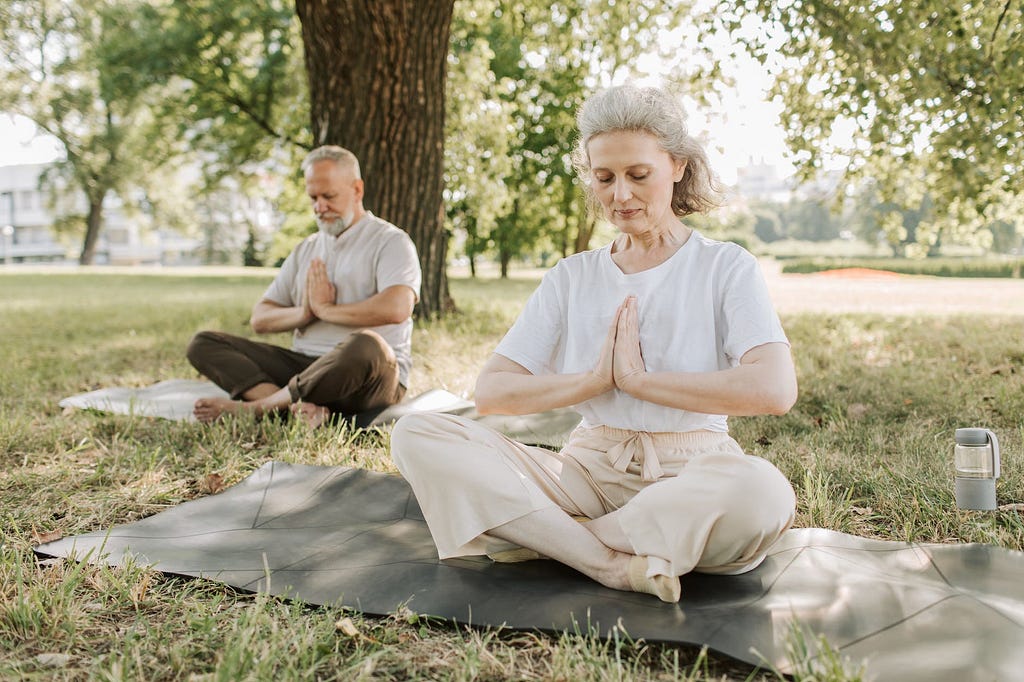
[[886, 293]]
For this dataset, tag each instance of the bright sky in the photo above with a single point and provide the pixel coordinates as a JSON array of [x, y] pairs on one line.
[[20, 142]]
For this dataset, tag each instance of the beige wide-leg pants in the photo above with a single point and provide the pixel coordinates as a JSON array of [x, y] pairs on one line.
[[688, 501]]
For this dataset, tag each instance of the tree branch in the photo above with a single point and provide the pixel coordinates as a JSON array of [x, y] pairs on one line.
[[260, 121], [995, 29]]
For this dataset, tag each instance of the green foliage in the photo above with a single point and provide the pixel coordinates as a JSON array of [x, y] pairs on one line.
[[925, 98], [936, 267], [729, 226], [240, 91], [129, 86], [809, 219], [767, 226], [63, 72], [239, 98], [519, 72], [477, 159]]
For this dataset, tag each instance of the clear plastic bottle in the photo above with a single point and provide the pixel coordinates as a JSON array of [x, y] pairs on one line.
[[976, 460]]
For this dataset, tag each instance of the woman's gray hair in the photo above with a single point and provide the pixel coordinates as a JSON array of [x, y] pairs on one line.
[[653, 111], [332, 152]]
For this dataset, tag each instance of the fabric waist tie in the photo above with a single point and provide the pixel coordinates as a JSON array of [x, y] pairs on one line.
[[625, 446], [638, 447]]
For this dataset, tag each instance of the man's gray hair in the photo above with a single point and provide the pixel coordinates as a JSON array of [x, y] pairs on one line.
[[332, 152], [653, 111]]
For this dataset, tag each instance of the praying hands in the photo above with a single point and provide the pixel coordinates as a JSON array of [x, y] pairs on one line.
[[621, 361], [320, 291]]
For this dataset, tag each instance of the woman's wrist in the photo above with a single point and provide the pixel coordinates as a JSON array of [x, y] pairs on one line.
[[632, 384], [595, 385]]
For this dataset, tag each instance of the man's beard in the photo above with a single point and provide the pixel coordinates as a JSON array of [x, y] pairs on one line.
[[334, 226]]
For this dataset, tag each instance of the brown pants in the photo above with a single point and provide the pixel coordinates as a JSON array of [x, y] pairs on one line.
[[357, 375]]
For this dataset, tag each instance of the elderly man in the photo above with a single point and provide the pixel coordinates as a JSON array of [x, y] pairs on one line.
[[346, 292]]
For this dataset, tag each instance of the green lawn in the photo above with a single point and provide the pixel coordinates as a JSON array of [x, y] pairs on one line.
[[868, 448]]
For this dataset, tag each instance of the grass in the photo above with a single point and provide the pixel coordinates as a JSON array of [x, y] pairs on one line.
[[868, 448]]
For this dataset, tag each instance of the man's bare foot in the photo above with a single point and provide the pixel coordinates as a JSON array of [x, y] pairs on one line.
[[310, 414], [209, 410]]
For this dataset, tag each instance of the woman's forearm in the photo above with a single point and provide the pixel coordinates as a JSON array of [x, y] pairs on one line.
[[508, 392], [745, 390]]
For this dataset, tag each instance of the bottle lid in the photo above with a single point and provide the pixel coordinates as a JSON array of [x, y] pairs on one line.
[[972, 436]]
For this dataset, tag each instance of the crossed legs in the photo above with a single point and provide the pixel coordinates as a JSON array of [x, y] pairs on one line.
[[557, 535], [481, 492], [358, 374]]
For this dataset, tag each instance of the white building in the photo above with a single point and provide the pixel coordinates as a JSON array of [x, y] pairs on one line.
[[27, 225], [763, 182], [24, 219]]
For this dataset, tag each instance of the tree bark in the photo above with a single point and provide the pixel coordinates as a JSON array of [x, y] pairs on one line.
[[93, 226], [377, 71], [584, 232]]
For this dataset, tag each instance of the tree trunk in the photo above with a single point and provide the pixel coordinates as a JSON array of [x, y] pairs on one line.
[[568, 199], [504, 257], [93, 226], [376, 71], [585, 232]]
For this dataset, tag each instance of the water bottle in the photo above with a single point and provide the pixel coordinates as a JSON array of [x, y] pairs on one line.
[[976, 459]]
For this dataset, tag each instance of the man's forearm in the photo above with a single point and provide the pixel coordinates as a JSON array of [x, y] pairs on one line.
[[270, 319], [391, 306]]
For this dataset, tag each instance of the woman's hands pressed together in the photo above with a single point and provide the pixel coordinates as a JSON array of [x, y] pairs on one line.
[[621, 361], [628, 363]]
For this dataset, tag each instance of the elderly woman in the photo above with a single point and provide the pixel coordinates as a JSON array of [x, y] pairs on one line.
[[655, 339]]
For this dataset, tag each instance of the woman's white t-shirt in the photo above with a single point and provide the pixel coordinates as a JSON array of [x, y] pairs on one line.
[[700, 311]]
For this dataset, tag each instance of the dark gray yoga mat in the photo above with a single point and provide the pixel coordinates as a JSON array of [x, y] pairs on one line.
[[334, 535]]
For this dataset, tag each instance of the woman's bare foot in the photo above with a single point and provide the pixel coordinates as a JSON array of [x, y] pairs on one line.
[[310, 414], [209, 410]]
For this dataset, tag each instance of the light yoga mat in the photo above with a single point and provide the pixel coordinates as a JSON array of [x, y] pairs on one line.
[[171, 399], [174, 398], [335, 535]]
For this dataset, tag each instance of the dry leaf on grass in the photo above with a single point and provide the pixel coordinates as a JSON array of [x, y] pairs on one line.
[[212, 484], [347, 627], [49, 536], [139, 589]]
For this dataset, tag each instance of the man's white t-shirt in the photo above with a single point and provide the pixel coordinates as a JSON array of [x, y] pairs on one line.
[[367, 258], [700, 311]]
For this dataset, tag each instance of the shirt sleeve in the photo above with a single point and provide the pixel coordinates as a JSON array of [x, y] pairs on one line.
[[280, 290], [534, 339], [398, 264], [747, 309]]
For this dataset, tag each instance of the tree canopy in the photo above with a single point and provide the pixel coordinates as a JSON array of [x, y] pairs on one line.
[[923, 101], [924, 98], [519, 71], [61, 71]]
